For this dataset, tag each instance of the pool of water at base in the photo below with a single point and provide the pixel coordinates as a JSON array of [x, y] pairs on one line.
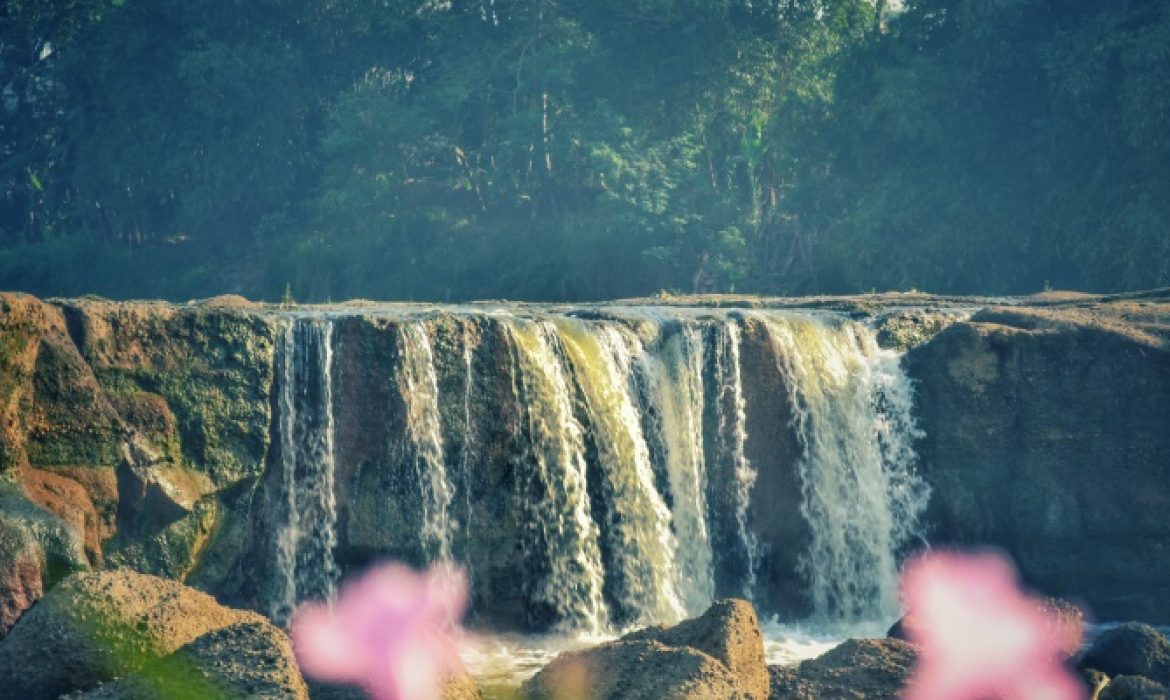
[[501, 662]]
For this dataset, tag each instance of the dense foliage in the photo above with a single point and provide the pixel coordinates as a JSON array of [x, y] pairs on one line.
[[576, 149]]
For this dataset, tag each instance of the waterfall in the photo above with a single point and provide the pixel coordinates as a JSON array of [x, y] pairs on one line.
[[556, 496], [467, 453], [675, 384], [731, 410], [307, 535], [418, 385], [612, 447], [851, 405], [638, 528]]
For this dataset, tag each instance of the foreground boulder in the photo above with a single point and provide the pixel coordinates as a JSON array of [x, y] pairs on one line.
[[100, 626], [1133, 688], [459, 686], [717, 655], [869, 669], [244, 660], [638, 670], [1131, 649], [730, 633]]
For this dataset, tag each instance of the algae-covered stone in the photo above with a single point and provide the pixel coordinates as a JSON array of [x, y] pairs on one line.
[[245, 660], [213, 367], [99, 626]]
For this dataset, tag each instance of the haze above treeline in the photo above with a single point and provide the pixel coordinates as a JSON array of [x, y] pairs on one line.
[[582, 149]]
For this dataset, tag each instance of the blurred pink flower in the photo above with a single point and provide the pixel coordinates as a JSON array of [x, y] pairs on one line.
[[392, 632], [981, 636]]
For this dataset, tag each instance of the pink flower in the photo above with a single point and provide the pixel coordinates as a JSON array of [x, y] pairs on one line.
[[390, 631], [980, 636]]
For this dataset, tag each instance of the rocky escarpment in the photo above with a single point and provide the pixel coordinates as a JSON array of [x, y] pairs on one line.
[[171, 439], [1046, 435], [129, 433]]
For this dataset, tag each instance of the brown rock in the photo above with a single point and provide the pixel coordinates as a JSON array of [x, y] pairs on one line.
[[634, 670], [717, 655], [98, 626], [730, 633], [69, 501]]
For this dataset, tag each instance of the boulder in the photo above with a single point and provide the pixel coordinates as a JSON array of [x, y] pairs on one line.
[[244, 660], [99, 626], [858, 669], [634, 670], [1133, 688], [20, 573], [717, 655], [730, 633], [457, 687], [60, 547], [1131, 649]]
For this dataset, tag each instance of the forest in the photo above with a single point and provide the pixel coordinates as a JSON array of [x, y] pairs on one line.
[[450, 150]]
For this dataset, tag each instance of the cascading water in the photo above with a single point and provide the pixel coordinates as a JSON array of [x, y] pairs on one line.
[[307, 533], [419, 387], [675, 382], [557, 498], [852, 415], [731, 409], [638, 529], [617, 443]]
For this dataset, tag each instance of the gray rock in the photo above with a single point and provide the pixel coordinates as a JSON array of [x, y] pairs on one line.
[[858, 669]]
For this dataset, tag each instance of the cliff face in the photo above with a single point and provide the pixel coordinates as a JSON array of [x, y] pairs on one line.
[[260, 454], [130, 430], [1048, 434]]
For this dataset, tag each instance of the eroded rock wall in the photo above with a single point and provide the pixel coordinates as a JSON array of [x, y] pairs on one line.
[[1048, 435]]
